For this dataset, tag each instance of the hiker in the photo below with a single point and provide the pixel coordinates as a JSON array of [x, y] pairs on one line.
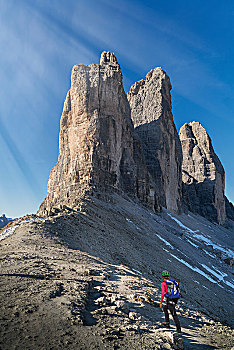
[[170, 289]]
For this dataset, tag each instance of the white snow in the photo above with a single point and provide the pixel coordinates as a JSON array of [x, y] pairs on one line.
[[203, 238], [221, 273], [180, 224], [138, 228], [196, 269], [229, 284], [137, 271], [162, 239], [165, 250], [9, 231], [190, 242], [207, 241], [129, 220], [214, 273], [211, 255]]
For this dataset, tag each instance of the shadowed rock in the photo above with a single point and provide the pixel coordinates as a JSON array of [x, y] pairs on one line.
[[202, 174], [150, 102]]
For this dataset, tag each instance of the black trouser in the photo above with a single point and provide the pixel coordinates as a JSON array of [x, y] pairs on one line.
[[171, 304]]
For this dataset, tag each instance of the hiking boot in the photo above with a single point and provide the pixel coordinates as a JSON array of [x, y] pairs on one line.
[[178, 331], [166, 324]]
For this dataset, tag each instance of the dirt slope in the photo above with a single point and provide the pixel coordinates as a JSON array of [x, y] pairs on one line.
[[90, 279]]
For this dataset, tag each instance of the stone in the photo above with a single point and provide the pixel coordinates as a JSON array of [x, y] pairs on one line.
[[101, 301], [132, 315], [120, 303], [175, 339], [111, 310], [123, 306], [202, 174], [151, 113], [98, 149]]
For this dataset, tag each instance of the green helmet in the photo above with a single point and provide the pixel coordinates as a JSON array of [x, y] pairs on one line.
[[165, 273]]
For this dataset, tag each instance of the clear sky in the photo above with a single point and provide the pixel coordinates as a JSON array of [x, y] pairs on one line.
[[41, 40]]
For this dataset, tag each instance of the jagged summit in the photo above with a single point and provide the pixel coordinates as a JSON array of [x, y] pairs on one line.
[[140, 83], [202, 173], [108, 57]]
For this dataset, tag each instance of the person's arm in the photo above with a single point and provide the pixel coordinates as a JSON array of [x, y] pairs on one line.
[[163, 286]]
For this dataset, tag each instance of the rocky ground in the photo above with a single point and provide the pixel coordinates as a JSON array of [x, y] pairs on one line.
[[90, 279]]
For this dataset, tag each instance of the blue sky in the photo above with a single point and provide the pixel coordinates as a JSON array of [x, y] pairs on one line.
[[41, 40]]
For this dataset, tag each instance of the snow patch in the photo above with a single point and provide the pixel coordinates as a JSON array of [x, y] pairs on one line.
[[211, 255], [131, 222], [207, 241], [137, 271], [9, 231], [165, 250], [214, 273], [196, 269], [190, 242], [180, 223], [162, 239], [229, 284]]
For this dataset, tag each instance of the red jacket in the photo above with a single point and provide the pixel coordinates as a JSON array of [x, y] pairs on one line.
[[164, 290]]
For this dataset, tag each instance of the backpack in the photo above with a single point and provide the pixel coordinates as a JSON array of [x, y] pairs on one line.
[[173, 289]]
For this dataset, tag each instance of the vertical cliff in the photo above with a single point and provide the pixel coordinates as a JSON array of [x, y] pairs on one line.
[[150, 103], [110, 141], [202, 174], [96, 141]]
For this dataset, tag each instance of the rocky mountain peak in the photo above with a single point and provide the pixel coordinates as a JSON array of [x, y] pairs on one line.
[[108, 57], [98, 151], [151, 113], [202, 173], [113, 142]]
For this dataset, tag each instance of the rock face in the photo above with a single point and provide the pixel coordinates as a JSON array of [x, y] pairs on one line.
[[229, 209], [110, 141], [96, 141], [202, 174], [150, 103]]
